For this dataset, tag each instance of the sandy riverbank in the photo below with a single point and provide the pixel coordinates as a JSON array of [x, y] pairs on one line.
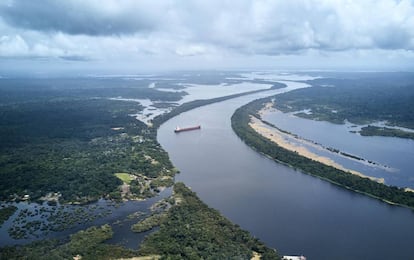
[[276, 136]]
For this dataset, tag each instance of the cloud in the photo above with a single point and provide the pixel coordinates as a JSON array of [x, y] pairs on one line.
[[90, 17], [191, 50], [13, 45], [129, 30], [277, 27]]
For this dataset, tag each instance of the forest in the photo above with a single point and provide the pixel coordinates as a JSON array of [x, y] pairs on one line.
[[74, 146], [45, 89], [240, 124]]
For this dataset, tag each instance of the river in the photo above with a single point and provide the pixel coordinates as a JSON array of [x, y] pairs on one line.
[[290, 211]]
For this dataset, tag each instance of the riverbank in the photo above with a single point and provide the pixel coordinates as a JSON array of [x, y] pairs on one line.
[[240, 124], [276, 136]]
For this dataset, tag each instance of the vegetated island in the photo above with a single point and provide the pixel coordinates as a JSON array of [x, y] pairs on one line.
[[362, 99], [188, 229], [240, 124], [371, 130]]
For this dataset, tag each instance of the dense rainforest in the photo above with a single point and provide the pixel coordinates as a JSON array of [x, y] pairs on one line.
[[59, 139]]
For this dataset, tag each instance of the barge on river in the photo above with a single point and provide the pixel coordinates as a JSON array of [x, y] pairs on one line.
[[178, 129]]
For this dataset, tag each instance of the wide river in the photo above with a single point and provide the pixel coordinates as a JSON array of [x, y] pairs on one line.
[[288, 210]]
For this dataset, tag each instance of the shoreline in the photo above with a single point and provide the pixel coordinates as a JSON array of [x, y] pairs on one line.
[[276, 137]]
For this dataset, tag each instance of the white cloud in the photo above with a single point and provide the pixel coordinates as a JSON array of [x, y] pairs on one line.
[[191, 50], [13, 45]]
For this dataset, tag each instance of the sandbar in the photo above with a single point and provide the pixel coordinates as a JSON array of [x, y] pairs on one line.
[[276, 136]]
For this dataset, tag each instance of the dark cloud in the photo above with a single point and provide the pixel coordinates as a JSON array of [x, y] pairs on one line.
[[393, 37], [75, 17], [75, 58]]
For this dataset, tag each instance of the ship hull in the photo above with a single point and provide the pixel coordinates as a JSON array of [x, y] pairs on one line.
[[178, 130]]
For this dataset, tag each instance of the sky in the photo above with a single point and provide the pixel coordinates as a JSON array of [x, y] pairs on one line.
[[132, 36]]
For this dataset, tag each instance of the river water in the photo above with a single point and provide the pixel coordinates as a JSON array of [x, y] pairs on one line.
[[395, 153], [290, 211]]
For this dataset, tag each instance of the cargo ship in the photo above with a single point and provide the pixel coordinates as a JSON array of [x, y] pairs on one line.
[[178, 129]]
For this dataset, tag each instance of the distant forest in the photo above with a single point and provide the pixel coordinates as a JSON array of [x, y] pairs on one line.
[[360, 99], [35, 90]]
